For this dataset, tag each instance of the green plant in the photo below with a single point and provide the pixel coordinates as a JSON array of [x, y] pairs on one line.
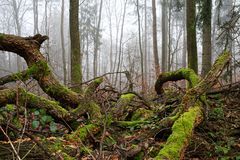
[[217, 113], [42, 119]]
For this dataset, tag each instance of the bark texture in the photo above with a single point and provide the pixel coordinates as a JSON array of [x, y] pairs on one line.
[[207, 46], [155, 47], [191, 36], [76, 57]]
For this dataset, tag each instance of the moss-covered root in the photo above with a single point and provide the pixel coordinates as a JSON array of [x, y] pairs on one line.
[[122, 105], [92, 86], [183, 73], [82, 132], [90, 107], [181, 134]]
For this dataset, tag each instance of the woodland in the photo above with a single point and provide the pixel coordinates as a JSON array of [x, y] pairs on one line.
[[119, 79]]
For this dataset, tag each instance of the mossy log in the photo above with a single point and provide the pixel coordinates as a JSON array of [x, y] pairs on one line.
[[24, 98], [27, 149], [192, 108], [29, 49], [68, 106]]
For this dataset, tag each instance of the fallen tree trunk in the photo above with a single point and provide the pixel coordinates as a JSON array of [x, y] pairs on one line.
[[29, 49], [192, 109]]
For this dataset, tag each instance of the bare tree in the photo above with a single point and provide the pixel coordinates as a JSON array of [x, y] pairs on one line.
[[35, 16], [97, 41], [120, 41], [140, 48]]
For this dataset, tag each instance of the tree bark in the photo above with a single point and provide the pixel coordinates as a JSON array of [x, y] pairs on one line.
[[207, 47], [191, 36], [164, 35], [76, 57], [154, 32], [63, 46], [29, 49], [97, 42]]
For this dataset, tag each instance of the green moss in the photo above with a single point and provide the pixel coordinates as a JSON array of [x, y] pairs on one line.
[[139, 156], [222, 58], [109, 141], [39, 68], [56, 146], [91, 107], [190, 75], [127, 97], [181, 131], [81, 133], [142, 114], [1, 36], [85, 150], [92, 87], [98, 81], [34, 101], [67, 157], [131, 123]]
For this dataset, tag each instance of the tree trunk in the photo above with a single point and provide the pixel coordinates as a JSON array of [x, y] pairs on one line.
[[140, 48], [63, 45], [207, 47], [35, 16], [191, 36], [76, 57], [154, 32], [184, 51], [97, 42], [164, 35]]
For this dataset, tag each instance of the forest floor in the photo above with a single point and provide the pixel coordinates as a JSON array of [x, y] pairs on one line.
[[217, 137]]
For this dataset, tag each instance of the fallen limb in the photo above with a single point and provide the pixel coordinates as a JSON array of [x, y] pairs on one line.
[[29, 49], [183, 73], [183, 127], [21, 97]]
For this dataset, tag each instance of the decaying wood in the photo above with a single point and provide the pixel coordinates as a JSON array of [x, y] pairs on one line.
[[72, 105], [29, 49], [192, 111]]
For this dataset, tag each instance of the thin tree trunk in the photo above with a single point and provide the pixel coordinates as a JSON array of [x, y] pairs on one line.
[[145, 44], [18, 28], [87, 57], [111, 37], [96, 42], [164, 35], [35, 16], [155, 47], [184, 51], [120, 42], [63, 46], [140, 48], [47, 30], [76, 58]]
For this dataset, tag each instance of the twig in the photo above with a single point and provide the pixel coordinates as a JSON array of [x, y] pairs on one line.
[[9, 140]]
